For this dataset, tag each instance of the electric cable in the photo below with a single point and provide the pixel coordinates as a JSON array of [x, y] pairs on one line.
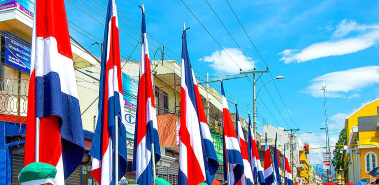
[[259, 54]]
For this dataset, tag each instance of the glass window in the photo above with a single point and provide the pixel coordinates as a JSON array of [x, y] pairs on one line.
[[370, 161]]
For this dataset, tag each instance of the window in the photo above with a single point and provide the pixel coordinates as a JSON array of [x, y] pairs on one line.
[[371, 161]]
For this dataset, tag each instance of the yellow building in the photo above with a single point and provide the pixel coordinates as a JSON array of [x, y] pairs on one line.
[[362, 139], [305, 170]]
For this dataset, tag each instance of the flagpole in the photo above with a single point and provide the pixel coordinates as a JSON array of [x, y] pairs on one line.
[[37, 139], [116, 150], [228, 172], [153, 160]]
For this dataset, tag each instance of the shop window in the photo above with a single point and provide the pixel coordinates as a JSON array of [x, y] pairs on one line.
[[371, 161]]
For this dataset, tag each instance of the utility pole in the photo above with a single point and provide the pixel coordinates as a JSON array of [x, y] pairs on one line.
[[207, 99], [254, 96], [292, 132], [327, 132]]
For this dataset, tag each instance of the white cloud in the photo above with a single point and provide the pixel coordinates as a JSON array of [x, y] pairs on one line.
[[221, 61], [347, 26], [353, 96], [337, 121], [368, 36], [340, 82]]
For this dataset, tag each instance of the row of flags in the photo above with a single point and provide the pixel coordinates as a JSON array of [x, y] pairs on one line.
[[242, 165], [54, 133]]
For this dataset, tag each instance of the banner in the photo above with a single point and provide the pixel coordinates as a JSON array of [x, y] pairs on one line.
[[130, 120], [130, 89], [15, 51], [26, 6], [326, 161]]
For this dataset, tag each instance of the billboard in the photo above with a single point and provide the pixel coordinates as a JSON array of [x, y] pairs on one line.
[[26, 6], [130, 89], [15, 52]]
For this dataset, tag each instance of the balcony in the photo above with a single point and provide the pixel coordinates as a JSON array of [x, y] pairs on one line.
[[303, 158], [13, 100]]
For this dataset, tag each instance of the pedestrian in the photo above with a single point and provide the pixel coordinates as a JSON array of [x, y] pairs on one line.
[[37, 173]]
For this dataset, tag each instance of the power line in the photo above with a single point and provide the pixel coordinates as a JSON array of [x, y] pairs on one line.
[[235, 43], [266, 106], [210, 34], [259, 54], [274, 104], [128, 34], [229, 33]]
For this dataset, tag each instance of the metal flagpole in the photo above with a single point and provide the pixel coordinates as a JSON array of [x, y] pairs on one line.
[[37, 139], [152, 143], [153, 160], [116, 150], [228, 167]]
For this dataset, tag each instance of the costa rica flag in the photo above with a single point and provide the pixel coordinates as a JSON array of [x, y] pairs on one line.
[[247, 177], [146, 127], [53, 96], [233, 164], [110, 108]]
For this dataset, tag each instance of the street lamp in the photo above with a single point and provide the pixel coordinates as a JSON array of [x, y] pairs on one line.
[[308, 132], [255, 100], [277, 78]]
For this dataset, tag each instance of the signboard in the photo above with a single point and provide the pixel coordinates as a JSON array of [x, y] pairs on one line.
[[130, 89], [16, 51], [130, 120], [26, 6]]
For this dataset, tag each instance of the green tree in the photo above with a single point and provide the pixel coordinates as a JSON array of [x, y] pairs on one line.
[[338, 155]]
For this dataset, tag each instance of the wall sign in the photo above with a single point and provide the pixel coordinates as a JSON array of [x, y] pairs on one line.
[[130, 120], [15, 51], [26, 6]]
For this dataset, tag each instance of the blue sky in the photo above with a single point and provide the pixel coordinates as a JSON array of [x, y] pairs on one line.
[[308, 42]]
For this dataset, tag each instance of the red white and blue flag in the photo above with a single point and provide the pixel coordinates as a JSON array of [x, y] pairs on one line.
[[110, 107], [254, 156], [53, 96], [233, 164], [247, 177], [269, 171], [197, 159], [146, 128], [277, 162], [287, 170]]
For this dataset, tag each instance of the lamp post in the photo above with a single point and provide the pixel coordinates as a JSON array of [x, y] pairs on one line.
[[255, 95]]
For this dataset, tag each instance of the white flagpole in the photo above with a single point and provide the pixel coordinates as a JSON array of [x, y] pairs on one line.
[[116, 150], [37, 139], [228, 172], [153, 160]]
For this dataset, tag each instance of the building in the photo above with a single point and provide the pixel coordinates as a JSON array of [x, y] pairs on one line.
[[305, 170], [362, 139], [292, 149]]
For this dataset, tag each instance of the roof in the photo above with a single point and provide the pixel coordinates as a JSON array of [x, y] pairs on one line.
[[362, 107], [167, 129]]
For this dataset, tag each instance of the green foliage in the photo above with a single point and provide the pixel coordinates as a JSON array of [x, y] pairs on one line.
[[338, 155]]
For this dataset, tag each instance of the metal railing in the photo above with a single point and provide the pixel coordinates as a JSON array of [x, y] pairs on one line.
[[14, 96]]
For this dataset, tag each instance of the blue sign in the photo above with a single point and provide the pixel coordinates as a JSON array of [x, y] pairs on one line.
[[17, 52]]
